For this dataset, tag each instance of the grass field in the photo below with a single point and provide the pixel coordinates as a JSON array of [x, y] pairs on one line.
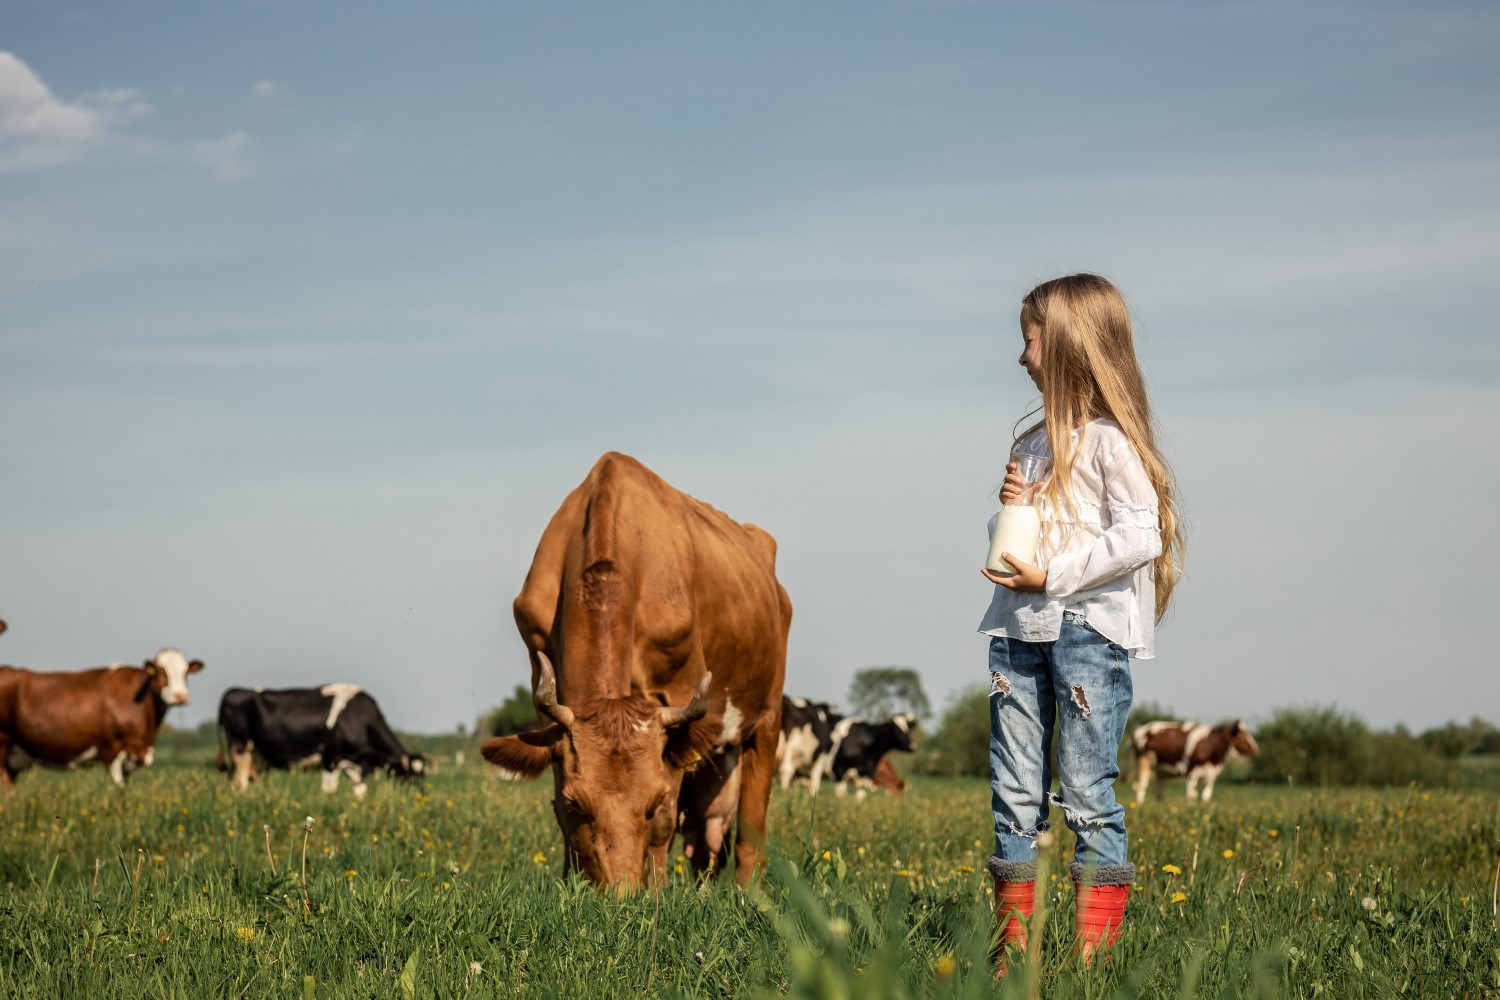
[[176, 887]]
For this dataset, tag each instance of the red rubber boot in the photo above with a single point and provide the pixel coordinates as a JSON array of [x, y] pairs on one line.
[[1098, 919], [1014, 902]]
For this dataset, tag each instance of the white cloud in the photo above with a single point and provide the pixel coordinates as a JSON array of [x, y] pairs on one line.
[[228, 157], [264, 88], [38, 129], [29, 110]]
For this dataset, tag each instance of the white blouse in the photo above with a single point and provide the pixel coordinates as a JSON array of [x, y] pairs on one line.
[[1103, 570]]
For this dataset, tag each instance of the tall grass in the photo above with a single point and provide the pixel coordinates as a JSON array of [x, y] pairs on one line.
[[178, 887]]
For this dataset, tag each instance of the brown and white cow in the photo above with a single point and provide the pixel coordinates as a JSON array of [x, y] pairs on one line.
[[657, 632], [107, 714], [1189, 748]]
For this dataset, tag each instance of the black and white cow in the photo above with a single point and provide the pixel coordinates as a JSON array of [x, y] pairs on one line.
[[859, 747], [805, 749], [337, 725], [1189, 748]]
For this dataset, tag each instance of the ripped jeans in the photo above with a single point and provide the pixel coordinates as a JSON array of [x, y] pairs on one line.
[[1079, 684]]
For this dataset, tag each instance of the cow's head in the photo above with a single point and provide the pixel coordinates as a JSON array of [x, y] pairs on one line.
[[1240, 740], [618, 764], [2, 626], [166, 675], [905, 726]]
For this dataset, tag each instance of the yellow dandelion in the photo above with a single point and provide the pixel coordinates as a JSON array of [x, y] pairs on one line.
[[965, 869], [903, 873], [1171, 869], [350, 873], [944, 966], [1178, 897], [1139, 888], [1274, 832], [540, 857], [861, 850], [447, 885], [827, 855], [245, 934], [1228, 854], [157, 857], [1130, 805]]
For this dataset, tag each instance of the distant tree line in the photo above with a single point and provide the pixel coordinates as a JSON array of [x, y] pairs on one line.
[[1299, 745]]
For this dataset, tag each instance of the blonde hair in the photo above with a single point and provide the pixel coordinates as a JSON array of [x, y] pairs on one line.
[[1089, 371]]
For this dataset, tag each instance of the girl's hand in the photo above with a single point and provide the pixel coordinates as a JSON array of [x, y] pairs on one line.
[[1012, 489], [1027, 576]]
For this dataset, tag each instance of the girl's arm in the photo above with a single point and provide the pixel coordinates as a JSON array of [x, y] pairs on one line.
[[1132, 539]]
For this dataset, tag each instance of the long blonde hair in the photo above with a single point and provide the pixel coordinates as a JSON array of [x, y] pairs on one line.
[[1089, 371]]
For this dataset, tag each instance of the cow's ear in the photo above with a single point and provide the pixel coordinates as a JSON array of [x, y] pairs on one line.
[[690, 745], [524, 756], [195, 666], [150, 667]]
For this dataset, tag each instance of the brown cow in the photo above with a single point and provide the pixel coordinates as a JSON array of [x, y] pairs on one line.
[[641, 598], [1188, 748], [108, 714]]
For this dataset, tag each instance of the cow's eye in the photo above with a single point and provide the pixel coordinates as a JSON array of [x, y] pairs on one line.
[[573, 807], [655, 805]]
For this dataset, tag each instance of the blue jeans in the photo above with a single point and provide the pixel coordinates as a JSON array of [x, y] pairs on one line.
[[1080, 684]]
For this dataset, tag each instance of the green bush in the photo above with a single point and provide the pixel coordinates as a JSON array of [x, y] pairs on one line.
[[961, 745], [1313, 745]]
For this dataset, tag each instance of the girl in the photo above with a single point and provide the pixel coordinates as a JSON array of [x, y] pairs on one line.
[[1064, 629]]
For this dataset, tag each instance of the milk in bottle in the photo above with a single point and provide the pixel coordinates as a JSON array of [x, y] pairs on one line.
[[1018, 529]]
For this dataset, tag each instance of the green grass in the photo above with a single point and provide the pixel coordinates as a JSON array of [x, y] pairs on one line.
[[169, 889]]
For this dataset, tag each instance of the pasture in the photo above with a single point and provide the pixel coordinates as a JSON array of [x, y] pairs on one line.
[[178, 887]]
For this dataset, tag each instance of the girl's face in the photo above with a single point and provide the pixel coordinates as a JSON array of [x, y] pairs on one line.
[[1031, 355]]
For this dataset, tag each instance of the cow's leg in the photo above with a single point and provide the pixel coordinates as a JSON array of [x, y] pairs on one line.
[[117, 766], [755, 795], [821, 763], [1210, 775], [330, 780], [788, 768], [1143, 768], [1192, 783], [710, 797], [356, 776], [243, 766], [7, 776]]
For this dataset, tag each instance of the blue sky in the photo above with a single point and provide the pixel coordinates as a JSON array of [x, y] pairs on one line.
[[311, 314]]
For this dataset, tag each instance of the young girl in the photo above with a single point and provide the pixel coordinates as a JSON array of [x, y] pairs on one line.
[[1063, 630]]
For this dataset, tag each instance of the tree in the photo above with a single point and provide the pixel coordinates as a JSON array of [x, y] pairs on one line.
[[515, 714], [878, 692], [962, 743]]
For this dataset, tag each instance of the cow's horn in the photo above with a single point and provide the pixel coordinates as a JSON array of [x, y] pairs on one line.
[[545, 697], [693, 710]]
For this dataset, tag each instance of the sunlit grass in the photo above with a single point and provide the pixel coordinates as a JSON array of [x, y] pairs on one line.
[[179, 887]]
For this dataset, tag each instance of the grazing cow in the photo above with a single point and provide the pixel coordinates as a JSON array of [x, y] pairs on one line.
[[337, 725], [106, 714], [860, 746], [657, 633], [1189, 748], [805, 749], [887, 777]]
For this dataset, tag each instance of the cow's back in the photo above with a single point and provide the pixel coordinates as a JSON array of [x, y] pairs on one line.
[[53, 715], [658, 587]]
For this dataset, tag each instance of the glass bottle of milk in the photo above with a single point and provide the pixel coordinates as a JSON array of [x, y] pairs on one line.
[[1018, 528]]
